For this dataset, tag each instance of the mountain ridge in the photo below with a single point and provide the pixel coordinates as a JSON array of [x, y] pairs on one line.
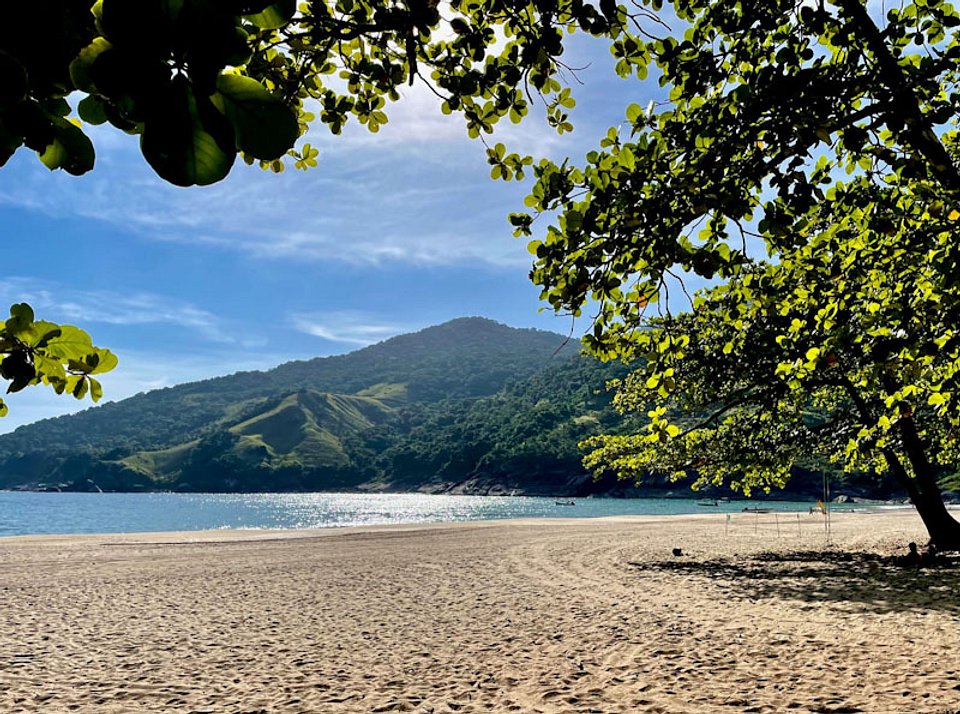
[[307, 424], [234, 390], [469, 406]]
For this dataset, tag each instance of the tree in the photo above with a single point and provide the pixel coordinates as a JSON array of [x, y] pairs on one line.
[[846, 349], [61, 356], [823, 135], [202, 80]]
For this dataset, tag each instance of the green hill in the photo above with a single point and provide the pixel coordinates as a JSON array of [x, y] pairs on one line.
[[470, 406], [469, 357], [350, 421]]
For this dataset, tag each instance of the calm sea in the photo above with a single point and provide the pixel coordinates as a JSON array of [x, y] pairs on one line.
[[47, 513]]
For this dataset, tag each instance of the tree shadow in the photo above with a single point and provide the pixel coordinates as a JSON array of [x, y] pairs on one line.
[[869, 580]]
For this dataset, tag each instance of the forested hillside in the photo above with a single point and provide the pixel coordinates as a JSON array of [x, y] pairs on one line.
[[466, 400], [470, 406], [469, 357]]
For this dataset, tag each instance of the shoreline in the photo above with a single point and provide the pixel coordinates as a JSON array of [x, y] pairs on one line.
[[229, 534], [34, 514], [647, 494], [534, 615]]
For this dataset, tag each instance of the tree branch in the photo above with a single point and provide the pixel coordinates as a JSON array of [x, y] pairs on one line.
[[903, 104]]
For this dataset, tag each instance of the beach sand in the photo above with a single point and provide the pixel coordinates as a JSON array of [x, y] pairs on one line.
[[760, 614]]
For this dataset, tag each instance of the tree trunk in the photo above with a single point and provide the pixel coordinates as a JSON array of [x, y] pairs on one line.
[[924, 492], [925, 495], [943, 528]]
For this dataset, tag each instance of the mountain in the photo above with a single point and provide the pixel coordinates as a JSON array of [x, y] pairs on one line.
[[468, 357], [470, 406], [358, 420]]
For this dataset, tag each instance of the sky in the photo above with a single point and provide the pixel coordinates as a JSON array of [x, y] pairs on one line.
[[391, 233]]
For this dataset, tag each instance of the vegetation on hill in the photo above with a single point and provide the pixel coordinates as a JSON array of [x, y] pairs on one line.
[[468, 357], [523, 438], [321, 423], [397, 416]]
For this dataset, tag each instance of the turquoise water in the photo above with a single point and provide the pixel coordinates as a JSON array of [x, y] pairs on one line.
[[49, 513]]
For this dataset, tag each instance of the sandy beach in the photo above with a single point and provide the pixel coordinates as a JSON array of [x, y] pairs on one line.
[[761, 614]]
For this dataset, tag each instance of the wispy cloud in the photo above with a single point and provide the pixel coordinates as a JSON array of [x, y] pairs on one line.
[[65, 304], [417, 193], [348, 211], [356, 328], [416, 123], [357, 220]]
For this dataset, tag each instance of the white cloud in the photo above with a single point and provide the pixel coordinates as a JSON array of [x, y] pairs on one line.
[[419, 192], [363, 207], [356, 328], [416, 122], [63, 304]]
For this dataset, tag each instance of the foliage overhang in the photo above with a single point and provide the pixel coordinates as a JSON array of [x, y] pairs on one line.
[[201, 81]]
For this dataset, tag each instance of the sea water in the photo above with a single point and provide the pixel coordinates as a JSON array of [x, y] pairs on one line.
[[60, 513]]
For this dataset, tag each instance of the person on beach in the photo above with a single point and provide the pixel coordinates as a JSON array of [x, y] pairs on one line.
[[915, 558]]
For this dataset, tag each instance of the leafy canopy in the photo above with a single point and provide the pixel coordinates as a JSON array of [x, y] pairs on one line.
[[201, 81], [824, 135], [846, 349], [770, 102]]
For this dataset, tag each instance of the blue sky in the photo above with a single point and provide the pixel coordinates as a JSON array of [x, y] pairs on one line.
[[390, 233]]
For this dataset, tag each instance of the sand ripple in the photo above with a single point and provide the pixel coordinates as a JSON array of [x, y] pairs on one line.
[[566, 616]]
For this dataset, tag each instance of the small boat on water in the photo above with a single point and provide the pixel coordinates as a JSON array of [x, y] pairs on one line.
[[708, 502], [758, 510], [564, 503]]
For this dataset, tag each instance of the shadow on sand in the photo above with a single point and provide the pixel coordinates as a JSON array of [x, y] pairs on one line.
[[869, 580]]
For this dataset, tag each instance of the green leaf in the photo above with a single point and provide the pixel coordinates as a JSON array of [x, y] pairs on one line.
[[240, 51], [264, 126], [71, 149], [105, 361], [48, 370], [186, 140], [21, 317], [80, 388], [92, 110], [69, 343], [275, 16], [80, 67], [36, 334]]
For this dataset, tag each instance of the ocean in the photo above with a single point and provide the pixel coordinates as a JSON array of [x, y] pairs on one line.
[[66, 513]]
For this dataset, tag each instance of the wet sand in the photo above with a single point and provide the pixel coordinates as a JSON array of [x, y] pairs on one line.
[[761, 614]]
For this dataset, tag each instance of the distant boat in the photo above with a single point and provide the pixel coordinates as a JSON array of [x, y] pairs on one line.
[[708, 502], [564, 503], [758, 510]]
